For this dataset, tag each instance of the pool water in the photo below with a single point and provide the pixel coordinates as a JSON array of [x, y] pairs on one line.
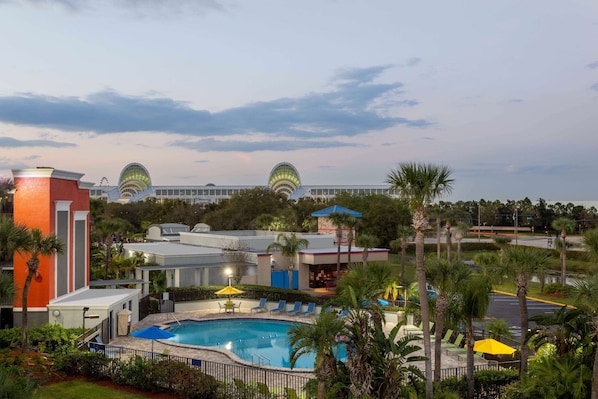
[[253, 340]]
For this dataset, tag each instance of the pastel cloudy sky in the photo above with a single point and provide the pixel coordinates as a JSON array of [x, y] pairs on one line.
[[505, 92]]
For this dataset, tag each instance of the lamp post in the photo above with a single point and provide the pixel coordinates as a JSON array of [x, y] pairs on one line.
[[229, 275]]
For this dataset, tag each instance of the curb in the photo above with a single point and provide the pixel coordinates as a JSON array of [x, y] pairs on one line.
[[536, 299]]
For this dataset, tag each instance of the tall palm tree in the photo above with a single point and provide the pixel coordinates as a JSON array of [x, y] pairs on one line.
[[6, 187], [590, 243], [318, 338], [474, 302], [461, 230], [367, 242], [404, 236], [565, 225], [447, 277], [105, 230], [449, 237], [13, 239], [39, 245], [289, 246], [420, 185], [351, 223], [586, 298], [521, 263], [338, 220]]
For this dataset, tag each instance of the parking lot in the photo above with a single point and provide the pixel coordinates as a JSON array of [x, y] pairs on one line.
[[507, 307]]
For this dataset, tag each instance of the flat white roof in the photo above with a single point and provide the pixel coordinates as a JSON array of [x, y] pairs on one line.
[[171, 249], [96, 298], [344, 250]]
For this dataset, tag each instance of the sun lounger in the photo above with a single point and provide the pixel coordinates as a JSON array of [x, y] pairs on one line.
[[311, 309], [282, 305], [454, 346], [344, 313], [296, 308], [261, 306]]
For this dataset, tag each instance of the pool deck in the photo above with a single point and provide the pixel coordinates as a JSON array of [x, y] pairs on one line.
[[222, 356]]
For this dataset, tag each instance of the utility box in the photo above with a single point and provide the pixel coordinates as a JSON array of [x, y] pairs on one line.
[[124, 322]]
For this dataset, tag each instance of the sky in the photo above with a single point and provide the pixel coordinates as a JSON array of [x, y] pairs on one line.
[[503, 93]]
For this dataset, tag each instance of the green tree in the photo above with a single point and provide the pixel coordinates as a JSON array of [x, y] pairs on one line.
[[319, 338], [522, 263], [405, 234], [351, 223], [289, 246], [461, 230], [586, 298], [105, 231], [338, 220], [446, 277], [473, 304], [39, 245], [13, 239], [367, 242], [420, 185], [498, 328], [590, 243], [564, 225]]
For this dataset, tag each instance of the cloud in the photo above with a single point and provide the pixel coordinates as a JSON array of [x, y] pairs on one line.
[[515, 100], [209, 144], [413, 61], [9, 142], [593, 65], [354, 105], [159, 8], [594, 87]]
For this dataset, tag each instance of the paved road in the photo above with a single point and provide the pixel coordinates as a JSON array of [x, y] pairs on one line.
[[507, 307]]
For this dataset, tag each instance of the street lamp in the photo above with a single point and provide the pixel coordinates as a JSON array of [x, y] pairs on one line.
[[229, 275]]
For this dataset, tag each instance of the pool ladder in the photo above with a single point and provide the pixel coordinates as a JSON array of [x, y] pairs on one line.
[[261, 360]]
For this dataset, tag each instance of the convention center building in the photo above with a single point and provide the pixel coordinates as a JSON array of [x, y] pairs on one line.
[[135, 184]]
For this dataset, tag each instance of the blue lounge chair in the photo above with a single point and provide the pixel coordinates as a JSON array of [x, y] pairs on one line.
[[311, 309], [282, 306], [344, 313], [296, 308], [261, 306]]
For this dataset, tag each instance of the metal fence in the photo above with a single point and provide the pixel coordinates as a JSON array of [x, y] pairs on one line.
[[233, 374]]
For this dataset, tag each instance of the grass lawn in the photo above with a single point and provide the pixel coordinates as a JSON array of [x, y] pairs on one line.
[[77, 389]]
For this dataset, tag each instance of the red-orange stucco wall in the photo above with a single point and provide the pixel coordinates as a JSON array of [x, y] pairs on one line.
[[35, 206]]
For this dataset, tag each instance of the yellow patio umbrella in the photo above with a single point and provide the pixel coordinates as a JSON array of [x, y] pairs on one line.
[[229, 290], [492, 347]]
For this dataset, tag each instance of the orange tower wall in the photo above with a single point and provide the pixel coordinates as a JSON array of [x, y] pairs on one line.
[[35, 207]]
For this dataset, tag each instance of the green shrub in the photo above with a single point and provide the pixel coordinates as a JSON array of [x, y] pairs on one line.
[[553, 288], [14, 384], [10, 338]]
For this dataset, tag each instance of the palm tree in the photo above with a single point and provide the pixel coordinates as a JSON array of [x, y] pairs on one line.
[[320, 338], [449, 243], [13, 239], [404, 234], [521, 263], [289, 246], [590, 243], [6, 187], [420, 185], [565, 225], [338, 220], [366, 241], [461, 230], [351, 223], [585, 293], [105, 230], [446, 276], [474, 301], [39, 245]]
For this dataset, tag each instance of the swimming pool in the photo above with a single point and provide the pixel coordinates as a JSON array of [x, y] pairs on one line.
[[253, 340]]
